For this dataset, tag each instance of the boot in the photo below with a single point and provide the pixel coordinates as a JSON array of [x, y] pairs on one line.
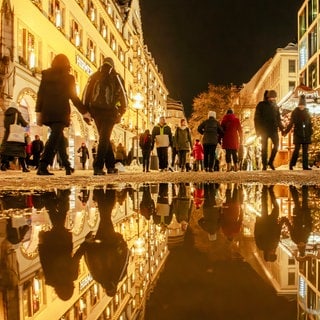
[[69, 171], [42, 170], [23, 165], [236, 167], [228, 167]]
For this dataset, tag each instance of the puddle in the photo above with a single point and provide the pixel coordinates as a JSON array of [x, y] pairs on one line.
[[160, 251]]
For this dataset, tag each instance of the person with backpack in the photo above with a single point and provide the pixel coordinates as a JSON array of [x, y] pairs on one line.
[[106, 99]]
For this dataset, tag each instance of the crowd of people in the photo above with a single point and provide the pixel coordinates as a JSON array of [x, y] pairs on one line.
[[104, 101]]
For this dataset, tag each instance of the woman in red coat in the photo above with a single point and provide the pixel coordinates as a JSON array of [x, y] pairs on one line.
[[232, 138]]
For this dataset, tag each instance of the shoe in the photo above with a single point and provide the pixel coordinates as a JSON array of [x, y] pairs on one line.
[[271, 166], [307, 169], [44, 172], [3, 167], [112, 171], [25, 170], [69, 171], [290, 167], [99, 173], [264, 168]]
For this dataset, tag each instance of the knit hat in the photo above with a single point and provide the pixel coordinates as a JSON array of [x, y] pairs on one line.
[[212, 114], [302, 100], [271, 94], [230, 111]]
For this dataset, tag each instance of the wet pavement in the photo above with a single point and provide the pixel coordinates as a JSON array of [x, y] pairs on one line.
[[160, 251]]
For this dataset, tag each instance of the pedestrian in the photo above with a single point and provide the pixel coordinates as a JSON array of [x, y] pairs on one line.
[[183, 142], [53, 109], [121, 154], [94, 150], [197, 153], [174, 152], [28, 150], [267, 122], [302, 131], [83, 152], [162, 137], [232, 139], [145, 143], [211, 131], [10, 149], [37, 147], [106, 98]]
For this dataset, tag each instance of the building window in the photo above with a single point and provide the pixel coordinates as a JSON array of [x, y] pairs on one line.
[[303, 56], [130, 65], [292, 66], [302, 23], [103, 29], [292, 85], [113, 43], [312, 8], [91, 51], [92, 13], [76, 34], [312, 75], [56, 13], [28, 49], [312, 39], [121, 55]]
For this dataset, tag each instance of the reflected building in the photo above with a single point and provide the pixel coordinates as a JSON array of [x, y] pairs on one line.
[[25, 292]]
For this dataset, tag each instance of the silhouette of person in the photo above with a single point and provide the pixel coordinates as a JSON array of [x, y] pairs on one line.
[[182, 206], [301, 226], [267, 229], [211, 219], [106, 253], [147, 205], [55, 247], [232, 214], [163, 212]]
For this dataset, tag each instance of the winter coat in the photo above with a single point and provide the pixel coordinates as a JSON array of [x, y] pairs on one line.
[[145, 142], [83, 152], [182, 139], [232, 132], [121, 153], [56, 89], [112, 102], [301, 121], [197, 151], [267, 118], [211, 131], [9, 148], [37, 146], [159, 131]]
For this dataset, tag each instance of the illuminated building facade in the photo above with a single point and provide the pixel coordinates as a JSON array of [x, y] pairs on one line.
[[87, 31]]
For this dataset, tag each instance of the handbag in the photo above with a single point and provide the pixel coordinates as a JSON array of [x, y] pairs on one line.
[[16, 132]]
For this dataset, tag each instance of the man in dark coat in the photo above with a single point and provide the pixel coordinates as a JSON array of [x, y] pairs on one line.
[[302, 132], [267, 122], [37, 147], [106, 99], [53, 109], [212, 132]]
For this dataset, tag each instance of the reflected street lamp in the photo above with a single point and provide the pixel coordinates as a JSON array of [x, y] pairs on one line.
[[138, 105]]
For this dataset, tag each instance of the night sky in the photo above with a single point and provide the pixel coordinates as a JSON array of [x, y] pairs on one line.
[[196, 42]]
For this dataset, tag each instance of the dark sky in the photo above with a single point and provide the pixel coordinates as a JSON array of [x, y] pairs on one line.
[[196, 42]]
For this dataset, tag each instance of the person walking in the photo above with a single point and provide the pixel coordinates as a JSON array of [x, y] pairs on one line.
[[232, 138], [83, 152], [302, 131], [106, 99], [145, 143], [53, 109], [94, 150], [37, 147], [211, 131], [267, 122], [197, 153], [183, 141], [11, 149], [162, 137], [121, 154]]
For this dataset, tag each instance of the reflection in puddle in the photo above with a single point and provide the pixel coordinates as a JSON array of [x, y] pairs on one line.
[[98, 252]]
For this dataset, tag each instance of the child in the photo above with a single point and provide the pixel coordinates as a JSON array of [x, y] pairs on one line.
[[198, 155]]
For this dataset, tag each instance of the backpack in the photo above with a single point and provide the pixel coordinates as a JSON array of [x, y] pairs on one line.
[[100, 92]]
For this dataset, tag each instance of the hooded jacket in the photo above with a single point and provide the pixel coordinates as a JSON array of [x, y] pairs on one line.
[[56, 88]]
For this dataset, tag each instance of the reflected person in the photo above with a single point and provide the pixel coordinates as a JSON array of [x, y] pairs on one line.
[[106, 253], [268, 227], [60, 266]]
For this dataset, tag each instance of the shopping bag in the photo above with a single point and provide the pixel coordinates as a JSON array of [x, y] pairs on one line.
[[16, 132]]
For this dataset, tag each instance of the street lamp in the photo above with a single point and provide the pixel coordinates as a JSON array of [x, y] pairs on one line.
[[138, 105]]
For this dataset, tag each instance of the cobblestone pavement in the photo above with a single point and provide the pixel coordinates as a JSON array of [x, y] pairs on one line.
[[20, 180]]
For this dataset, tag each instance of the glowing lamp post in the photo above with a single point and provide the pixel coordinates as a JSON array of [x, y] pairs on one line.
[[138, 105]]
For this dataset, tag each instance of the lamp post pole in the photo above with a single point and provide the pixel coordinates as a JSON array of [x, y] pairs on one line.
[[138, 104]]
